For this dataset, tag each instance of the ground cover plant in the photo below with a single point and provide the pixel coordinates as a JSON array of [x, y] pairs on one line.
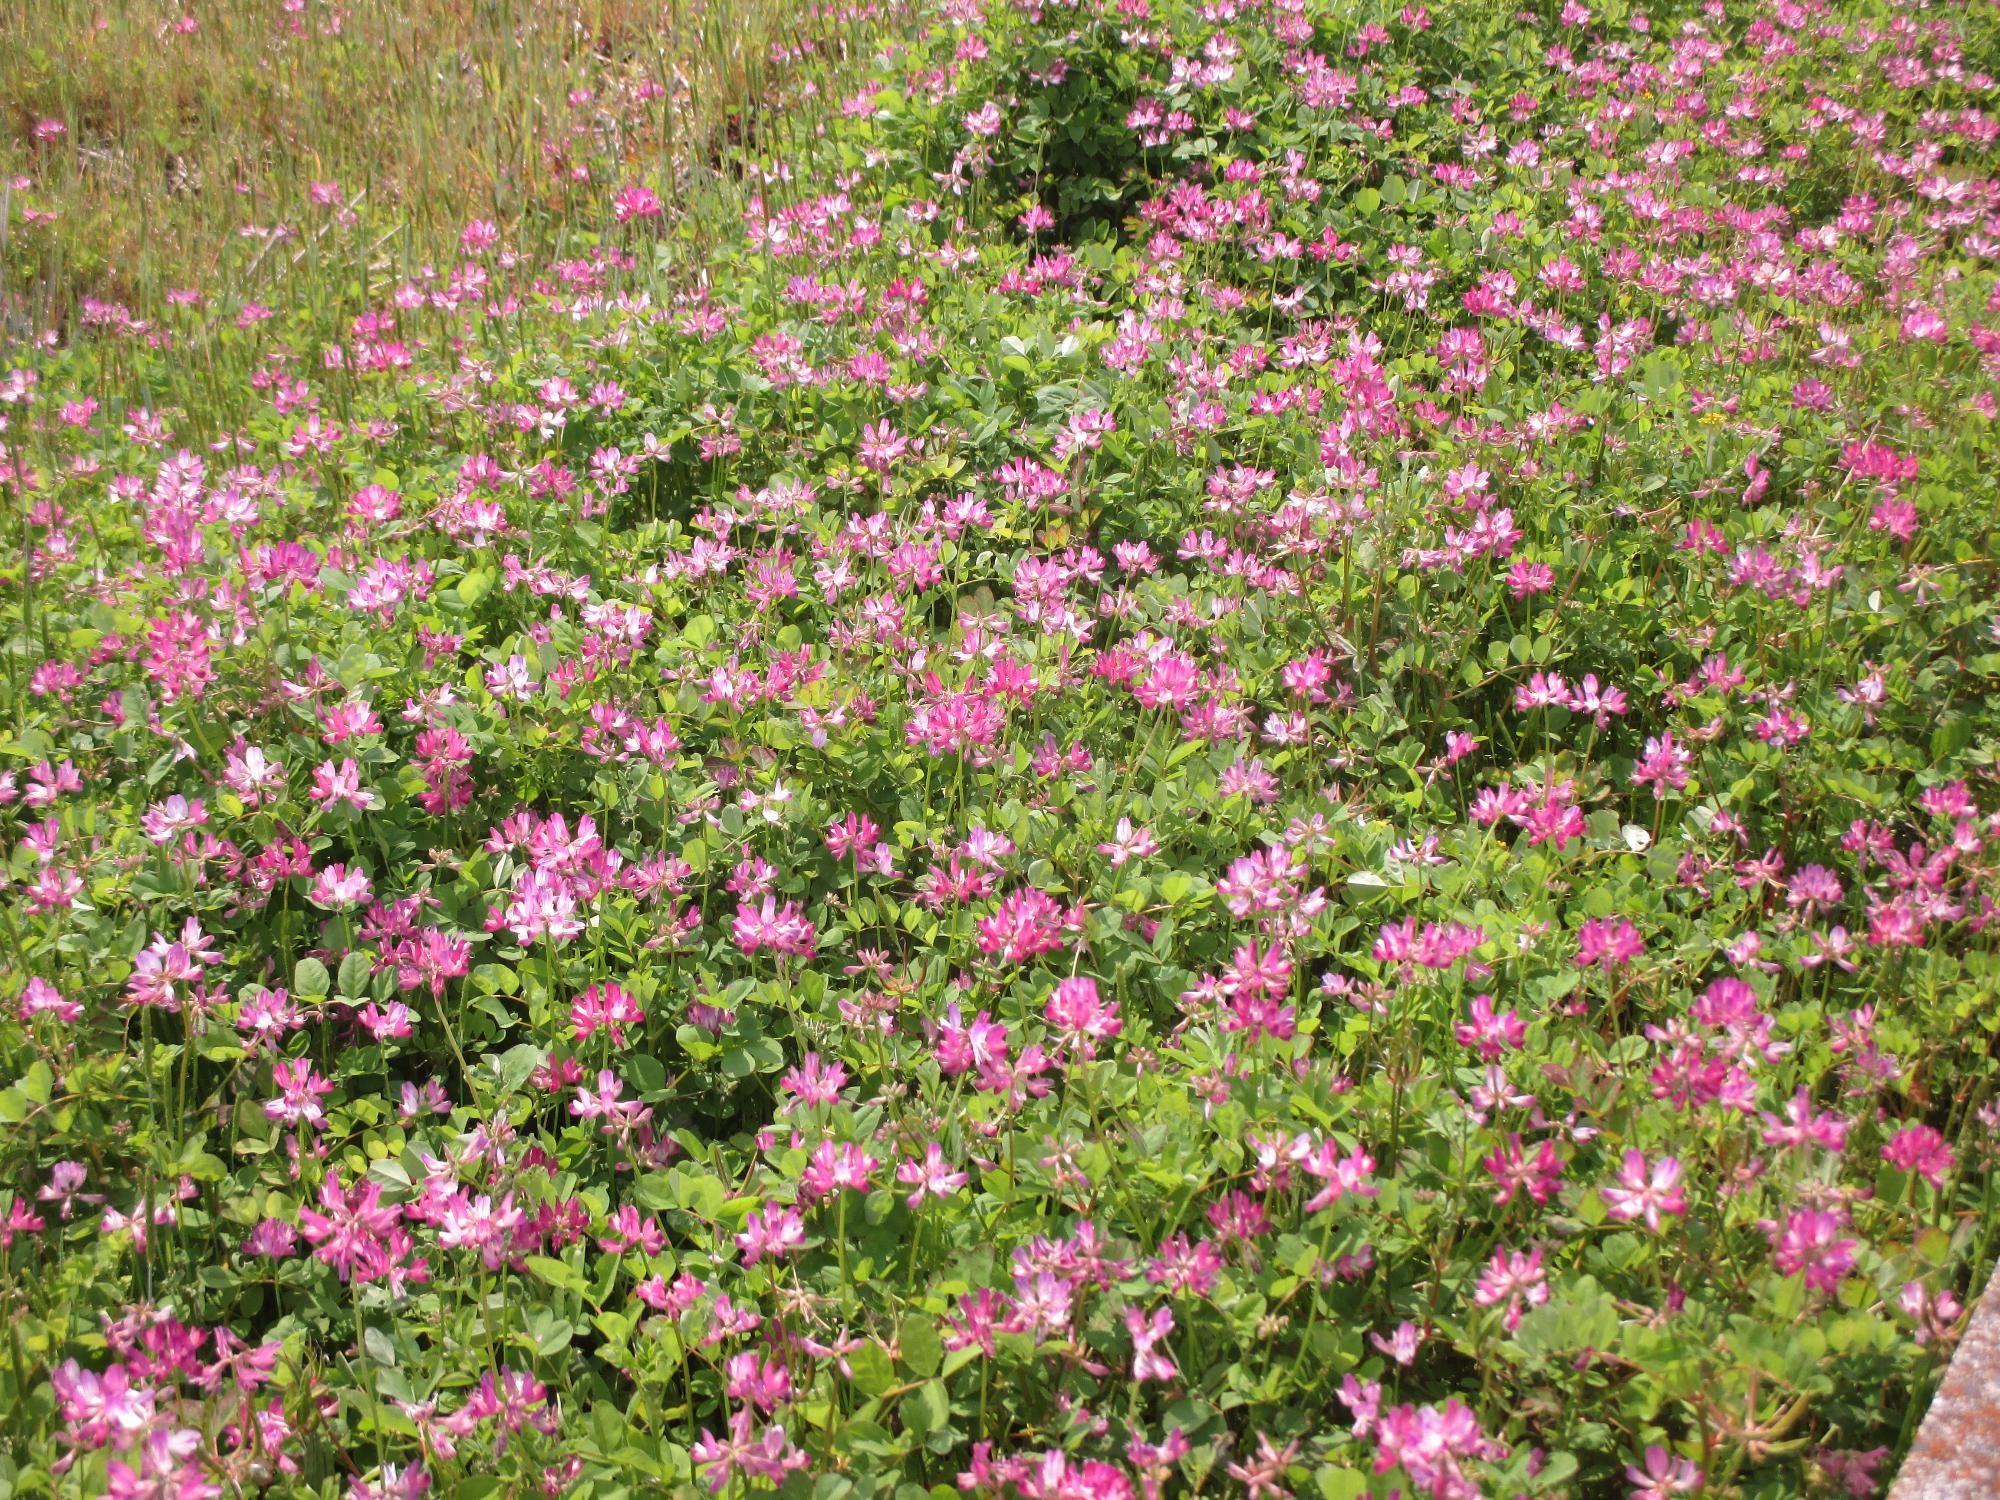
[[1248, 751]]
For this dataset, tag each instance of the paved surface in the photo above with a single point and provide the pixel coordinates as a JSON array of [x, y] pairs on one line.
[[1957, 1452]]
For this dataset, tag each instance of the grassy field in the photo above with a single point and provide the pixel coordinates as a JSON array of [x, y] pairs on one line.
[[149, 148]]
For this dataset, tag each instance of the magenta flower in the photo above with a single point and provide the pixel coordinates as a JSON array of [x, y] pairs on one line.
[[351, 1228], [1644, 1192], [933, 1176], [773, 1230], [1921, 1150], [604, 1007], [1665, 1474]]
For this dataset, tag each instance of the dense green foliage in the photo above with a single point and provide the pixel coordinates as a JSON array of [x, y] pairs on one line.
[[1254, 755]]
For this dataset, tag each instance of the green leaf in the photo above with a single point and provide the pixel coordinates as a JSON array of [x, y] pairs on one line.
[[1560, 1466], [1951, 736], [310, 979], [553, 1337], [355, 972], [516, 1065], [922, 1350], [496, 979], [475, 586], [927, 1409], [701, 1193], [557, 1273], [873, 1372], [38, 1083]]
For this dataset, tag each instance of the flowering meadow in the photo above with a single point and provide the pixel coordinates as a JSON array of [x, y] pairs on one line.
[[1240, 748]]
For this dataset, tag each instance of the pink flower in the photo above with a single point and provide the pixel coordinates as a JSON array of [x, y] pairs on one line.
[[835, 1167], [1147, 1333], [1027, 922], [1664, 1475], [1810, 1243], [164, 973], [299, 1091], [1515, 1279], [1608, 942], [607, 1007], [812, 1082], [881, 445], [1081, 1018], [1488, 1032], [1401, 1346], [1128, 843], [1431, 1444], [932, 1176], [42, 998], [339, 888], [723, 1456], [1344, 1176], [342, 783], [771, 1231], [1664, 766], [1921, 1150], [101, 1410], [1515, 1171], [783, 929], [165, 821], [352, 1226], [1936, 1316], [636, 202], [1644, 1193]]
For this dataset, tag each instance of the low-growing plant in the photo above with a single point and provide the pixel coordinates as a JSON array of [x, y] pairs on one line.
[[1284, 791]]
